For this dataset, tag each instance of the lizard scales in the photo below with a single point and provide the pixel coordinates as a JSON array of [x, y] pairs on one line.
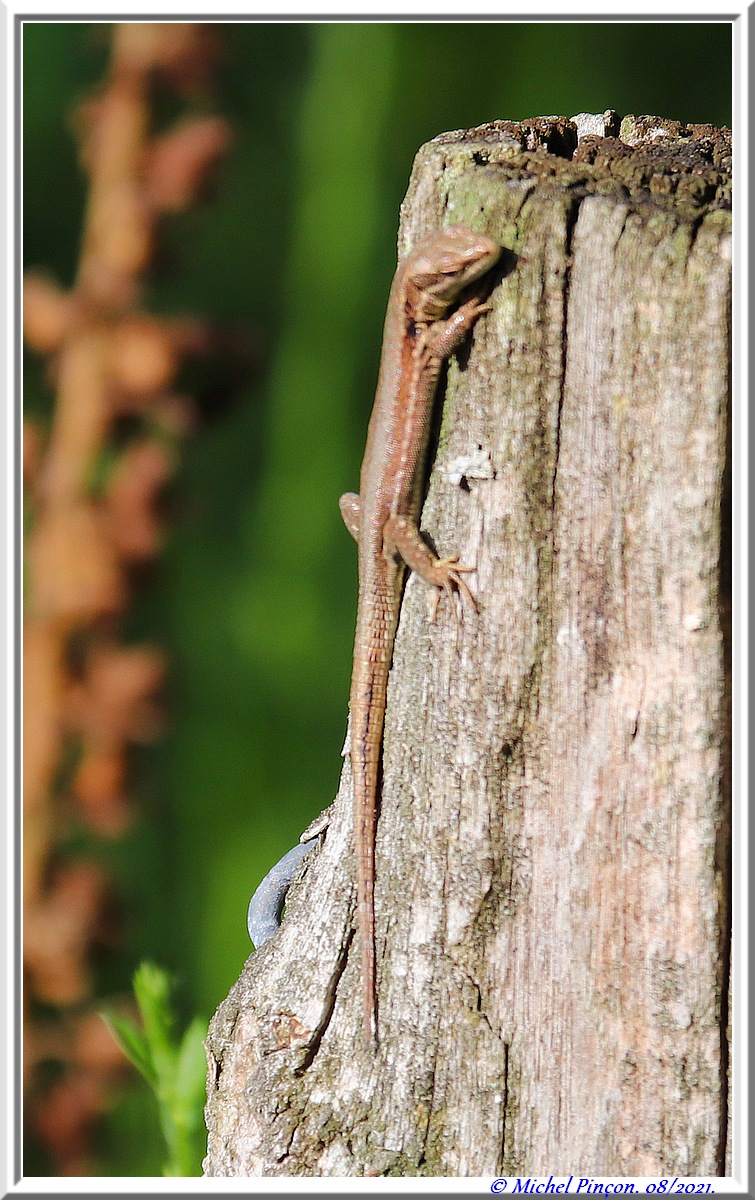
[[436, 296]]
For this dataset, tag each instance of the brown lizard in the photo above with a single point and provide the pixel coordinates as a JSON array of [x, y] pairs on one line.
[[422, 329]]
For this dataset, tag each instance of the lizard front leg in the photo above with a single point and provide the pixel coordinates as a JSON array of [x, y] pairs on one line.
[[448, 335]]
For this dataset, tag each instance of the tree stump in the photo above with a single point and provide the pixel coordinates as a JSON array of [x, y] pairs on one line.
[[553, 844]]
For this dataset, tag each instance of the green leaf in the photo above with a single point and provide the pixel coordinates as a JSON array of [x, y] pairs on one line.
[[191, 1075], [133, 1044], [175, 1070], [152, 991]]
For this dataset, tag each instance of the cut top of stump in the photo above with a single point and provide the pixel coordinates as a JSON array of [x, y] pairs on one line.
[[645, 160]]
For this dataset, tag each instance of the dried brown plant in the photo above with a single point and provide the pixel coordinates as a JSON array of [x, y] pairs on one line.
[[93, 513]]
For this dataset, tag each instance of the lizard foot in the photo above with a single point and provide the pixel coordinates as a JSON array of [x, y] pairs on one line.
[[475, 310], [449, 578]]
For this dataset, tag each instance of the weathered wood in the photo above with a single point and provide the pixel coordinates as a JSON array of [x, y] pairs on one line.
[[552, 852]]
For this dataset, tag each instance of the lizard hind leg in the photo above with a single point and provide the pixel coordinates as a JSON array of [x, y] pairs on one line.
[[440, 573]]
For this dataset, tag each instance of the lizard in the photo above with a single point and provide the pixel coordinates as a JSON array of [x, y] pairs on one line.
[[436, 296]]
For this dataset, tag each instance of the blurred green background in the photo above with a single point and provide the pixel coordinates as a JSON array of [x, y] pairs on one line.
[[255, 593]]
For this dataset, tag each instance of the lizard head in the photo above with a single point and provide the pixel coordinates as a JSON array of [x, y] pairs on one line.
[[441, 267]]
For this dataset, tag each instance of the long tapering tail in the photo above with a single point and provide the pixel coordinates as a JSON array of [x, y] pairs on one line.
[[372, 662]]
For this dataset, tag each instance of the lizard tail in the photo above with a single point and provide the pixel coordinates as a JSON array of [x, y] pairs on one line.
[[369, 687]]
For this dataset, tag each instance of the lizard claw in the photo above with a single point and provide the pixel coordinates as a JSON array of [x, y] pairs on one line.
[[482, 308], [433, 600], [473, 309], [452, 582]]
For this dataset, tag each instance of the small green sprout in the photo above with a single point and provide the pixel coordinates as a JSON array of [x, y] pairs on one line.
[[174, 1068]]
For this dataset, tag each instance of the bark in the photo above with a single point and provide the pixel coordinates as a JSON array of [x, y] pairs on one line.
[[552, 850]]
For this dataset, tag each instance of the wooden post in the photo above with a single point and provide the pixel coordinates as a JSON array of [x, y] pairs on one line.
[[553, 847]]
